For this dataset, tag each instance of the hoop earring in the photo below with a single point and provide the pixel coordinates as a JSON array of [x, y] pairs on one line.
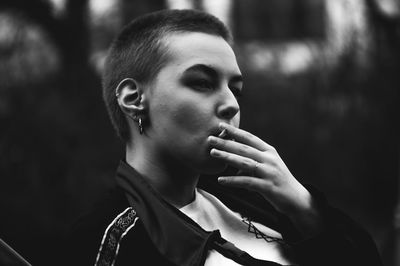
[[140, 125]]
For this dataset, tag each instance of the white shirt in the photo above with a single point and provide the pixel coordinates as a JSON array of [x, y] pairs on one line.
[[211, 214]]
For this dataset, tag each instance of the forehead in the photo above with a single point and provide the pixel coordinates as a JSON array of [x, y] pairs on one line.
[[187, 49]]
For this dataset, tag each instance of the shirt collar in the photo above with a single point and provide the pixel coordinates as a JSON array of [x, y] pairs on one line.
[[175, 235]]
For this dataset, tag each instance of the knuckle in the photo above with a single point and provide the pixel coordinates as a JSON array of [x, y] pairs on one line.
[[272, 148], [274, 160], [246, 183], [222, 143], [248, 135], [246, 163], [274, 173], [244, 149]]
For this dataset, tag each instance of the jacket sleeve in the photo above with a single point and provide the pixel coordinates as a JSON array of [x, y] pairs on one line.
[[342, 242]]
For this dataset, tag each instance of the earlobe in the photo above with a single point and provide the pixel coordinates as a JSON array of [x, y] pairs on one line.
[[129, 97]]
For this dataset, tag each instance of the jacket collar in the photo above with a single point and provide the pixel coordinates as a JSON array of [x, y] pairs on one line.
[[175, 235]]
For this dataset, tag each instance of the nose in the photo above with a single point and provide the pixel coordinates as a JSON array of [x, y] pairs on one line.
[[228, 106]]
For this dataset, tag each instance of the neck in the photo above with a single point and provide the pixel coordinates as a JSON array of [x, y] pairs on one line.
[[171, 179]]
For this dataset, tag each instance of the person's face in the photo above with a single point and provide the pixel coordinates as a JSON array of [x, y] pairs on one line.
[[190, 96]]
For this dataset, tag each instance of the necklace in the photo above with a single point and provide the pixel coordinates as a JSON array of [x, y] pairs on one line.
[[251, 228]]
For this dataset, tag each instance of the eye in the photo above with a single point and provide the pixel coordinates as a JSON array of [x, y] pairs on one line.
[[202, 84], [237, 92]]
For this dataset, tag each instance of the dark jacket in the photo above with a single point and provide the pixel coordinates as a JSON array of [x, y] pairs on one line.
[[133, 225]]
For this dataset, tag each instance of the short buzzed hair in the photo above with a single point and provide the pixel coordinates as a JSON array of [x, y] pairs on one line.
[[138, 52]]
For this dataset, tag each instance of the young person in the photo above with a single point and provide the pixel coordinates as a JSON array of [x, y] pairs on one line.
[[171, 83]]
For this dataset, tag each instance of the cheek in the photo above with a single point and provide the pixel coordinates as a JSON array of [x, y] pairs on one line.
[[191, 116]]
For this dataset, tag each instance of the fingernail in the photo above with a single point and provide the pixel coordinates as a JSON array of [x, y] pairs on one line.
[[212, 140], [221, 180], [223, 125], [215, 153]]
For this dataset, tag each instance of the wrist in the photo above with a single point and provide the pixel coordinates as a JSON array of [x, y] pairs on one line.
[[305, 215]]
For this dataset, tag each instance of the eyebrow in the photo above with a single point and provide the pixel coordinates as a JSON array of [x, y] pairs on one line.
[[211, 72]]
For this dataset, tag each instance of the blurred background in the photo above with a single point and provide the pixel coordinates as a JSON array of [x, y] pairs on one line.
[[322, 85]]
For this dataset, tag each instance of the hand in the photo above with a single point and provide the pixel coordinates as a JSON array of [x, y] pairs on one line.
[[263, 171]]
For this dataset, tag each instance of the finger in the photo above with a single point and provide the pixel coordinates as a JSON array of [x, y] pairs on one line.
[[245, 137], [236, 148], [242, 163], [246, 182]]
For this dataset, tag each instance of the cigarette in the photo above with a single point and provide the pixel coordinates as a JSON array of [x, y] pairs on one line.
[[222, 134]]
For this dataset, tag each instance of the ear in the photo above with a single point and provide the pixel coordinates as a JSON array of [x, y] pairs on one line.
[[129, 97]]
